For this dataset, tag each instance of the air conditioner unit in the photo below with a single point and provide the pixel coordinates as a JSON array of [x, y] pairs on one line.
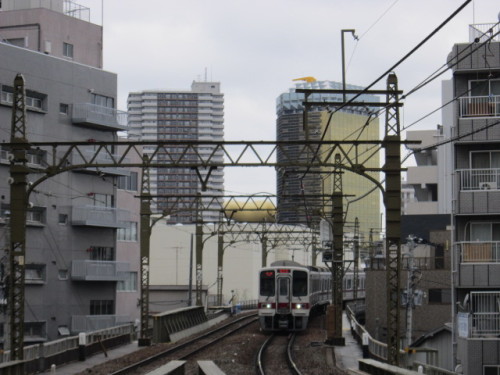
[[487, 185]]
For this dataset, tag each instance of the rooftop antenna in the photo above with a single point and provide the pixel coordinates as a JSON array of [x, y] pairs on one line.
[[205, 74]]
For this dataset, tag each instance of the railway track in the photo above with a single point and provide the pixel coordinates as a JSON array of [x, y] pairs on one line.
[[188, 348], [273, 357]]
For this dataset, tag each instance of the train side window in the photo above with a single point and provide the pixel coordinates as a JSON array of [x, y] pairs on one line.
[[299, 283], [267, 283]]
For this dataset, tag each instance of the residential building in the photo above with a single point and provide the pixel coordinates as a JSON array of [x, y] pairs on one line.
[[474, 122], [72, 264], [182, 116], [128, 289], [58, 28], [302, 195], [430, 179]]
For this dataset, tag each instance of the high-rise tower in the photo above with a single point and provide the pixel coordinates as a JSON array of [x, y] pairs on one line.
[[196, 115], [297, 203]]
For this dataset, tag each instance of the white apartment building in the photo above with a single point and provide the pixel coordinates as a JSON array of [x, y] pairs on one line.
[[196, 115]]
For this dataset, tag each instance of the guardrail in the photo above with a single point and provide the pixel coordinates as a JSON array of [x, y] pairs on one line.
[[378, 350], [53, 348], [480, 106]]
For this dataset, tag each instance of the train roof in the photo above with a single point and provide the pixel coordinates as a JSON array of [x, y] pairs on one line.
[[285, 263]]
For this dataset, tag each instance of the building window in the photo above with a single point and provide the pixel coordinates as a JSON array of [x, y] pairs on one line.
[[129, 233], [128, 182], [102, 101], [129, 284], [63, 274], [439, 296], [35, 330], [101, 253], [102, 307], [68, 50], [19, 42], [35, 215], [34, 100], [102, 200], [34, 273], [491, 370], [63, 219], [63, 108]]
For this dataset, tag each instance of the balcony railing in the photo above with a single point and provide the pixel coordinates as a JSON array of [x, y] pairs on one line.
[[99, 116], [101, 158], [480, 106], [96, 270], [97, 216], [479, 252], [483, 320], [481, 32], [479, 179]]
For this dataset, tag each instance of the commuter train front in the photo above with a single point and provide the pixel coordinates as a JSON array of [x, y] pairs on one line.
[[288, 292]]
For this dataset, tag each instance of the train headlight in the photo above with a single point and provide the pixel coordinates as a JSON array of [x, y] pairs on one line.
[[269, 306], [298, 305]]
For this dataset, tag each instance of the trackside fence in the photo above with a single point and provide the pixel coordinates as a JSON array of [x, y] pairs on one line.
[[40, 357], [378, 350]]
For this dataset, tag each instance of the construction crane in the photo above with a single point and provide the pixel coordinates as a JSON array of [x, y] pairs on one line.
[[307, 79]]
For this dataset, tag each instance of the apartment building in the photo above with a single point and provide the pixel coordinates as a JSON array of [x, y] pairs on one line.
[[196, 115], [475, 123], [72, 267]]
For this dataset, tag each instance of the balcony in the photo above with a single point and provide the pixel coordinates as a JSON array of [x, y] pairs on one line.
[[101, 158], [480, 106], [483, 320], [479, 252], [97, 216], [479, 179], [87, 323], [99, 117], [98, 270]]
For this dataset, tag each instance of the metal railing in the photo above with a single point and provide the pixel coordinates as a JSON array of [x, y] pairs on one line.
[[480, 32], [52, 348], [99, 216], [378, 350], [99, 270], [480, 106], [96, 114], [479, 251], [479, 179]]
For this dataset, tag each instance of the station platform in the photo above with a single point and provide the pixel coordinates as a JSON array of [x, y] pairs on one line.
[[347, 356]]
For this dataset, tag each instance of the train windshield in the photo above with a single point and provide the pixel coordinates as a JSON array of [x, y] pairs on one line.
[[267, 283], [299, 283]]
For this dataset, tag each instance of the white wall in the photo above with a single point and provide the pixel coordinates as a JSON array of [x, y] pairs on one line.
[[169, 261]]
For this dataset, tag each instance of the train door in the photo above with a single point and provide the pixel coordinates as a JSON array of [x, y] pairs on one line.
[[283, 295]]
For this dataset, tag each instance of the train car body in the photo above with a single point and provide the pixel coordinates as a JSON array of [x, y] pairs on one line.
[[289, 292]]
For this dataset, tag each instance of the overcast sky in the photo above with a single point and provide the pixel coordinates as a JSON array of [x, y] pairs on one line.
[[256, 48]]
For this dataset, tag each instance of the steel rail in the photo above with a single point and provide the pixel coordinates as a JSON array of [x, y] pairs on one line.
[[133, 367]]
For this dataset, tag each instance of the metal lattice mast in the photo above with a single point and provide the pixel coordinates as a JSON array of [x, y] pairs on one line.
[[145, 213], [392, 200], [220, 262], [199, 252], [18, 208], [338, 250], [356, 260]]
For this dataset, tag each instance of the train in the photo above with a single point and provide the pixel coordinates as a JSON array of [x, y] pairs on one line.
[[290, 292]]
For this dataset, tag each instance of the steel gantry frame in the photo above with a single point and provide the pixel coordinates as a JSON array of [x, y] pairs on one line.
[[60, 159]]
